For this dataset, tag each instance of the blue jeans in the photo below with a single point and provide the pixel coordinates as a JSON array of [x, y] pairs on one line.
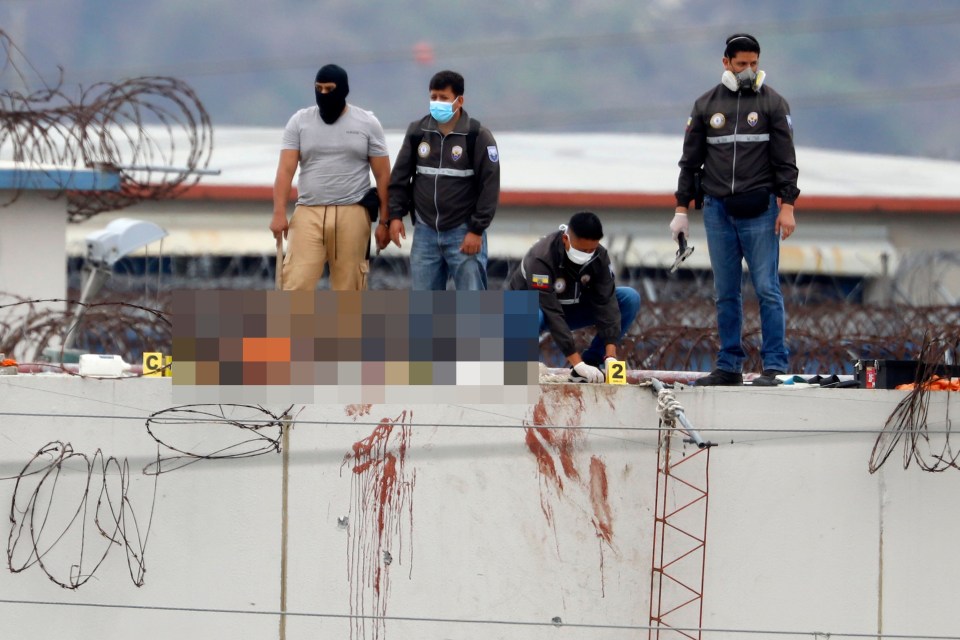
[[435, 256], [731, 240], [579, 316]]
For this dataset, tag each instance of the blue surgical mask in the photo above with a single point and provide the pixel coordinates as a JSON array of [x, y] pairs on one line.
[[442, 111]]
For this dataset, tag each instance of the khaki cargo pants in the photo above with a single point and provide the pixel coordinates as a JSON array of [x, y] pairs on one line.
[[338, 235]]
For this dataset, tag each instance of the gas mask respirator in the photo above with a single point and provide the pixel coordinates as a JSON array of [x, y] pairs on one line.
[[746, 79]]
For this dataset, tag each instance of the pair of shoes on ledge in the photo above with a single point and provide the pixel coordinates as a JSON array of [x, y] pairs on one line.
[[721, 378]]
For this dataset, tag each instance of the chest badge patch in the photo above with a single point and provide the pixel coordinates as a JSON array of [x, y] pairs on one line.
[[560, 285], [540, 281], [423, 150], [717, 120], [457, 152], [585, 278], [753, 118]]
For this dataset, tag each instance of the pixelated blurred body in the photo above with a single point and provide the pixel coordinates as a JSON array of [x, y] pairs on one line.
[[346, 347]]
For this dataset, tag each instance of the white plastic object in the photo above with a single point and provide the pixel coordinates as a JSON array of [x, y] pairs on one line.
[[104, 366], [121, 237]]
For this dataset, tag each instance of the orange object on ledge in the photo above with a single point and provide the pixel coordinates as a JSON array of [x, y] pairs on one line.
[[936, 383]]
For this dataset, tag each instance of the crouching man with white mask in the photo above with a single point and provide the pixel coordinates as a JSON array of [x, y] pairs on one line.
[[572, 272]]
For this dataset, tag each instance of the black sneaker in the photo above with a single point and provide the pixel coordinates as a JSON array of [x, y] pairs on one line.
[[768, 378], [720, 378]]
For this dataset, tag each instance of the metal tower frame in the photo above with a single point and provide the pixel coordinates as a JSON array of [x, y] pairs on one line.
[[680, 533]]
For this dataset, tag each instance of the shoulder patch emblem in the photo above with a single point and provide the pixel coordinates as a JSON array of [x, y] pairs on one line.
[[717, 120], [540, 281], [423, 150], [456, 152], [790, 123], [493, 154]]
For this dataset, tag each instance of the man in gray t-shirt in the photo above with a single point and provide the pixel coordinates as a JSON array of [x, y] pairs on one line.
[[335, 145]]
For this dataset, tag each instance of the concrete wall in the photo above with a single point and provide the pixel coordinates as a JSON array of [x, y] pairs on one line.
[[32, 243], [460, 512]]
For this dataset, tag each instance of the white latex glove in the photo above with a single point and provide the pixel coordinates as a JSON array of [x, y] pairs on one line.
[[680, 224], [588, 372]]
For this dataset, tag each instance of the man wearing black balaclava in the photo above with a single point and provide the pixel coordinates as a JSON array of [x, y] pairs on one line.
[[335, 145], [331, 100]]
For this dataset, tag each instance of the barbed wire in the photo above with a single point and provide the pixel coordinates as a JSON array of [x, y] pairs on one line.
[[121, 326], [823, 338], [909, 424], [230, 431], [61, 541], [153, 131], [68, 540]]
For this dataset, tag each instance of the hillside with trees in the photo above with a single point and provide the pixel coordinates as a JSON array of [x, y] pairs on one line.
[[863, 75]]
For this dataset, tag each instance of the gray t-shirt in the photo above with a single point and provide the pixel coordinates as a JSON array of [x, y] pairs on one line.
[[334, 158]]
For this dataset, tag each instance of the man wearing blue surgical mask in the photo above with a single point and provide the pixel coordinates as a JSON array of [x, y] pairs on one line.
[[447, 176], [573, 274]]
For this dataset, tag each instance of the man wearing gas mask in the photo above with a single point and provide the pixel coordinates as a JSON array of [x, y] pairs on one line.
[[738, 148], [336, 145], [573, 274]]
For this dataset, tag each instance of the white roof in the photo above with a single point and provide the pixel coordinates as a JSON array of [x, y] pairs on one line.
[[615, 163]]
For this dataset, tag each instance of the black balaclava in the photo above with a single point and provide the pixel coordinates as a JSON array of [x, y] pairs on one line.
[[332, 104]]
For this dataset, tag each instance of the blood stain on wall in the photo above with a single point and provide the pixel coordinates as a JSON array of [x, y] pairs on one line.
[[559, 449], [357, 410], [381, 520]]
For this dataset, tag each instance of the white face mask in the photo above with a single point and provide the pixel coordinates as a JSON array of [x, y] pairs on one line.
[[576, 256]]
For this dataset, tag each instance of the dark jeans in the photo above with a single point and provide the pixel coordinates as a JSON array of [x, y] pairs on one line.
[[730, 241], [579, 316]]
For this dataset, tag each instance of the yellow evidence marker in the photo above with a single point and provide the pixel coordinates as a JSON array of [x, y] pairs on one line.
[[616, 372], [152, 364]]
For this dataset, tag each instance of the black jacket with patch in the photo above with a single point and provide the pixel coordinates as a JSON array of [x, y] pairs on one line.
[[449, 187], [563, 283], [742, 141]]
